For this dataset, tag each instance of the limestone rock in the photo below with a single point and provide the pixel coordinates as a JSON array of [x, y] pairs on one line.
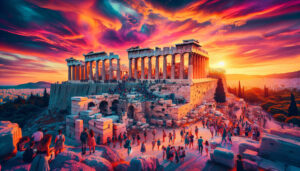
[[74, 166], [64, 156], [122, 166], [247, 145], [10, 134], [109, 154], [148, 163], [250, 165], [99, 163], [223, 156]]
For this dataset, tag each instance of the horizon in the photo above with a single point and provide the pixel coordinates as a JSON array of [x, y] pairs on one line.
[[253, 38]]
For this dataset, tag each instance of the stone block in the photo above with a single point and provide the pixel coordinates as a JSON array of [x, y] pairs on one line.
[[251, 155], [247, 145], [250, 165], [271, 165], [223, 156]]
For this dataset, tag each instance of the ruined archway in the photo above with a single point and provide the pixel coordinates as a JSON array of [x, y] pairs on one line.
[[103, 106], [115, 106], [91, 104], [130, 112]]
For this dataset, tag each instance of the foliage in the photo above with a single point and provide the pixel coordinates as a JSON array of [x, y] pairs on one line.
[[293, 110], [21, 110], [220, 96], [280, 117]]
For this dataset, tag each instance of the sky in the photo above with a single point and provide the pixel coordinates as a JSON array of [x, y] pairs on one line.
[[245, 37]]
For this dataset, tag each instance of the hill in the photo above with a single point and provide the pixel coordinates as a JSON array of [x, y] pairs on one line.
[[287, 75], [40, 84]]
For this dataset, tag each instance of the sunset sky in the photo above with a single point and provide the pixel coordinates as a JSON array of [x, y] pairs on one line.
[[244, 36]]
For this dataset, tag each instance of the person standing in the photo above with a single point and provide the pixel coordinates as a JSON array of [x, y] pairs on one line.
[[206, 147], [200, 145], [168, 152], [91, 141], [29, 154], [143, 148], [153, 144], [120, 139], [133, 138], [158, 144], [229, 137], [186, 140], [164, 151], [128, 146], [145, 135], [174, 136], [83, 139], [224, 136], [170, 137], [181, 134], [191, 141], [164, 135], [37, 136], [138, 138], [59, 142], [40, 162], [177, 154], [182, 154], [239, 163], [196, 131], [154, 133]]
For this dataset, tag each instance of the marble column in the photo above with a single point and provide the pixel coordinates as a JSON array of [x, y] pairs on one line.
[[110, 69], [82, 72], [197, 67], [86, 71], [157, 67], [149, 68], [97, 70], [73, 72], [69, 72], [173, 67], [181, 66], [91, 70], [103, 74], [190, 66], [78, 72], [165, 67], [130, 68], [118, 70], [202, 67], [135, 68], [142, 68]]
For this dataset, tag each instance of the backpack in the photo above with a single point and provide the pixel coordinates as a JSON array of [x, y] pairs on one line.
[[59, 141], [83, 137], [28, 155]]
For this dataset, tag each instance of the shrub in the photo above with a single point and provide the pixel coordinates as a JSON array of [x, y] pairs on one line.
[[280, 117], [293, 119]]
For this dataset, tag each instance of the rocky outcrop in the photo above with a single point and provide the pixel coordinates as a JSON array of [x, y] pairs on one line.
[[223, 156], [64, 156], [123, 166], [109, 154], [99, 163], [10, 134], [148, 163], [73, 165]]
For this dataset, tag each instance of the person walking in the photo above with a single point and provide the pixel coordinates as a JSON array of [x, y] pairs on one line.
[[168, 152], [143, 148], [224, 136], [138, 138], [133, 138], [177, 154], [41, 161], [158, 144], [164, 135], [174, 136], [59, 142], [170, 137], [91, 141], [83, 138], [181, 134], [114, 140], [186, 140], [154, 133], [153, 144], [191, 141], [145, 135], [120, 139], [128, 145], [206, 147], [164, 151], [200, 145], [229, 137]]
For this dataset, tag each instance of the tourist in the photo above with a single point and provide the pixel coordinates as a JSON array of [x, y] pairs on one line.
[[211, 129], [108, 141], [138, 138], [171, 155], [168, 152], [98, 139], [83, 138], [229, 137], [224, 136], [203, 123], [239, 163], [115, 139], [181, 134], [40, 162], [174, 136], [158, 144], [170, 137], [124, 136], [191, 141], [182, 154], [164, 135], [206, 147], [120, 139], [186, 140], [153, 133], [91, 141], [37, 136], [128, 145], [133, 138], [200, 145], [143, 148], [153, 144], [59, 142], [145, 135], [196, 131], [164, 151], [29, 154]]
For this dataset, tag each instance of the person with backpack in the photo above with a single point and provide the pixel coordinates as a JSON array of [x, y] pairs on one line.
[[91, 141], [83, 138], [29, 154], [143, 148], [59, 142]]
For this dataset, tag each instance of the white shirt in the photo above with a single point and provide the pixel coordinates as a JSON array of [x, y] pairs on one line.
[[37, 136]]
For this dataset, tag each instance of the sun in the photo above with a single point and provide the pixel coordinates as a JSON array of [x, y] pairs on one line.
[[221, 64]]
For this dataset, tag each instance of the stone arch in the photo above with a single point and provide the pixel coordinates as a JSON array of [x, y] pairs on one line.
[[130, 112], [103, 106], [91, 104], [115, 106]]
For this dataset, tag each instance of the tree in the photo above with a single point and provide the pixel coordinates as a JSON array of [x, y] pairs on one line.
[[239, 90], [266, 91], [220, 96], [293, 110]]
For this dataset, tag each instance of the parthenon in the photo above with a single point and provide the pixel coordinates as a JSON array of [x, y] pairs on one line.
[[184, 61]]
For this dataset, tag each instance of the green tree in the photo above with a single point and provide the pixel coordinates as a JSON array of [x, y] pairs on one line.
[[220, 96], [293, 110]]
